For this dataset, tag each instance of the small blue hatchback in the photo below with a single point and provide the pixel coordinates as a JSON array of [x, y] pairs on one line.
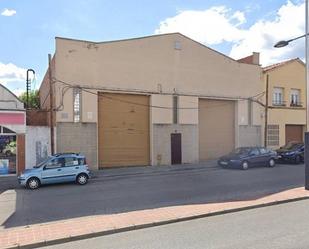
[[59, 168]]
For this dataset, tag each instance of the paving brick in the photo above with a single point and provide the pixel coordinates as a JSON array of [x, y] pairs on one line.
[[88, 225]]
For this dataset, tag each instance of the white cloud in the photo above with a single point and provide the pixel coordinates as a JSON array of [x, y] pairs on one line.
[[288, 23], [8, 12], [11, 73], [211, 26], [220, 24]]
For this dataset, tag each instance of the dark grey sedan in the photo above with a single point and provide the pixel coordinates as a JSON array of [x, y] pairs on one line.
[[245, 157]]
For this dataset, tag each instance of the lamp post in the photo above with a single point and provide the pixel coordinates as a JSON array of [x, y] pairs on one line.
[[28, 87], [281, 44]]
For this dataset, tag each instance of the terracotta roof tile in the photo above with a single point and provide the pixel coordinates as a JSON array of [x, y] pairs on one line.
[[276, 65]]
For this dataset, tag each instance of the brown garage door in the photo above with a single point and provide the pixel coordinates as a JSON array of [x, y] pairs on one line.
[[293, 133], [123, 122], [216, 128]]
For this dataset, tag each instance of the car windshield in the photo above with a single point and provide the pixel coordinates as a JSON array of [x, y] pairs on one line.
[[291, 146], [43, 162], [242, 150]]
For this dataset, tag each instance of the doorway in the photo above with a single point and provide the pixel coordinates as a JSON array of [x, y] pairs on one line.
[[176, 148]]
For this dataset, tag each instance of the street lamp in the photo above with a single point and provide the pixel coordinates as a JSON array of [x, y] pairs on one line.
[[281, 44], [284, 43], [28, 86]]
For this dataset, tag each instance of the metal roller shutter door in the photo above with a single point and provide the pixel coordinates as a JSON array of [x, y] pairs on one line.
[[123, 124], [216, 128]]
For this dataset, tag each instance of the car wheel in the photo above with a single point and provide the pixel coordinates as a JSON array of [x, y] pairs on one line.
[[271, 163], [82, 179], [297, 160], [245, 165], [33, 183]]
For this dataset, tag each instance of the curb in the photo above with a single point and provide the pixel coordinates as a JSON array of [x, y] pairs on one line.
[[153, 224]]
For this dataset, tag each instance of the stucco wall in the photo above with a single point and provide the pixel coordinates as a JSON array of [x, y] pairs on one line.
[[153, 65], [162, 115], [37, 144], [188, 110], [162, 143]]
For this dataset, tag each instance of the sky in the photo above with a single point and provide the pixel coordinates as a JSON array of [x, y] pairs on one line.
[[236, 28]]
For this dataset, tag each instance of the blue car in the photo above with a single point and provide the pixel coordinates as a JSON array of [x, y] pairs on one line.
[[59, 168], [246, 157], [292, 152]]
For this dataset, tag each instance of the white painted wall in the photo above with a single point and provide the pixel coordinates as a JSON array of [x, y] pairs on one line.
[[37, 144]]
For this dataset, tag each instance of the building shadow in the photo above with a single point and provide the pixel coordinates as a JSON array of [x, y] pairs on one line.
[[122, 193]]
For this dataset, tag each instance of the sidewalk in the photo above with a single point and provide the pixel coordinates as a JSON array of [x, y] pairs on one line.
[[86, 227]]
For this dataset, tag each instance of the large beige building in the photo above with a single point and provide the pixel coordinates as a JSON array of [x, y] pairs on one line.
[[287, 101], [151, 101]]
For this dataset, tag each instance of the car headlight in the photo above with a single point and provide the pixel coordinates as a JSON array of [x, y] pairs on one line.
[[22, 175]]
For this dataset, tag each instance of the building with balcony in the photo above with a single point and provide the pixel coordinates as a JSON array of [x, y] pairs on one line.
[[287, 102]]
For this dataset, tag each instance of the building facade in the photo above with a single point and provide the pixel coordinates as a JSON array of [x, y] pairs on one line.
[[151, 101], [287, 102], [12, 133]]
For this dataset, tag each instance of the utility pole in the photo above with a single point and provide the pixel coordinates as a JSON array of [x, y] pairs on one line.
[[266, 112], [307, 99], [51, 111]]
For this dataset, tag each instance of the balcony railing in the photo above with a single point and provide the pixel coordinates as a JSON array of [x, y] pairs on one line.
[[296, 104], [279, 103]]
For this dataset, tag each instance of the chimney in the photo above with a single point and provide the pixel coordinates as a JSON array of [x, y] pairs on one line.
[[251, 59], [256, 58]]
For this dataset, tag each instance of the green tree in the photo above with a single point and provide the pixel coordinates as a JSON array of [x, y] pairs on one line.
[[34, 99]]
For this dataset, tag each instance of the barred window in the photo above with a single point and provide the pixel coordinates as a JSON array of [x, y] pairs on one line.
[[76, 104], [175, 109], [273, 135]]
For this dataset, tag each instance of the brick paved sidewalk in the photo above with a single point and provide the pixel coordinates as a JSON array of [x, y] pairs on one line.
[[85, 227]]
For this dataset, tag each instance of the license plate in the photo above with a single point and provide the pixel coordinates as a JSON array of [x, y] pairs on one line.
[[279, 156]]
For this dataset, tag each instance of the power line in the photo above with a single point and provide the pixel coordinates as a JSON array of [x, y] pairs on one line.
[[146, 105]]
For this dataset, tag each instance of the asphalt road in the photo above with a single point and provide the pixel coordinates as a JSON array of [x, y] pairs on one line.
[[283, 226], [108, 195]]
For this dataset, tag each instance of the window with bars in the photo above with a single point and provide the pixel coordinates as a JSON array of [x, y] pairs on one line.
[[175, 109], [76, 105], [273, 135]]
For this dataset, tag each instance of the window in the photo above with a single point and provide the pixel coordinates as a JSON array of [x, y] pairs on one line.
[[54, 163], [175, 109], [76, 104], [254, 152], [295, 97], [250, 116], [263, 151], [278, 96], [81, 161], [70, 161], [273, 135]]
